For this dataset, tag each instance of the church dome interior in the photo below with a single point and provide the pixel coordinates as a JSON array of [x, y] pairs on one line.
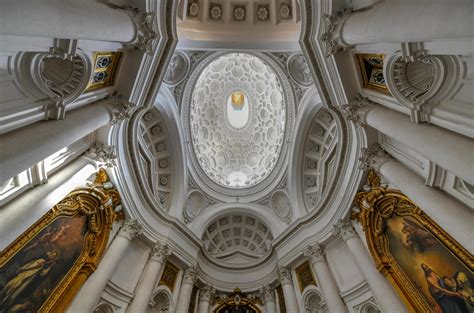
[[236, 156]]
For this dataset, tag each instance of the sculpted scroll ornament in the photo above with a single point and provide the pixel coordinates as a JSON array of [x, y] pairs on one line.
[[268, 293], [160, 252], [120, 108], [190, 275], [104, 155], [145, 34], [206, 293], [284, 273], [357, 110], [314, 253], [373, 157], [332, 32], [130, 229], [344, 229]]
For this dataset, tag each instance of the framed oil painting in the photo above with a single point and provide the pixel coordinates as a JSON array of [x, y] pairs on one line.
[[428, 268], [42, 270], [370, 68]]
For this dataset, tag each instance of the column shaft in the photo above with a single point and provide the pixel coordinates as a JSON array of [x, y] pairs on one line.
[[91, 291], [145, 289], [26, 146], [66, 19], [451, 215], [449, 150], [37, 201], [383, 292], [203, 306], [186, 290], [291, 303], [409, 21], [270, 306], [329, 288]]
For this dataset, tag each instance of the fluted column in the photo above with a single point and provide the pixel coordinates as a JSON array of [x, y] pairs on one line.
[[29, 145], [394, 21], [269, 298], [449, 150], [453, 216], [205, 296], [184, 298], [91, 291], [381, 288], [69, 19], [150, 277], [328, 287], [286, 281]]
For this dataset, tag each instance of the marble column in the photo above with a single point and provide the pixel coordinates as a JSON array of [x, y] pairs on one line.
[[205, 296], [328, 287], [449, 150], [381, 288], [184, 298], [91, 291], [150, 277], [37, 201], [269, 298], [21, 148], [69, 19], [291, 303], [397, 21], [452, 215]]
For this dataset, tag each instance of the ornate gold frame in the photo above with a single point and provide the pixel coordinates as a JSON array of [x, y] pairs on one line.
[[363, 74], [112, 69], [305, 276], [380, 204], [97, 203]]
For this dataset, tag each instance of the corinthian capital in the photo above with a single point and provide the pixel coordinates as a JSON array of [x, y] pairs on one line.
[[314, 253], [131, 229], [344, 229], [373, 157], [144, 34], [268, 293], [357, 110], [206, 293], [284, 274], [160, 252], [190, 275], [103, 155], [332, 32], [120, 108]]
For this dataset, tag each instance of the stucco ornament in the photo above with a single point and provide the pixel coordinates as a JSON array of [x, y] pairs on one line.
[[237, 147], [177, 69], [299, 70]]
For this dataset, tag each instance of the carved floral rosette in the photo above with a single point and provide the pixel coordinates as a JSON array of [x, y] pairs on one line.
[[97, 202], [376, 207]]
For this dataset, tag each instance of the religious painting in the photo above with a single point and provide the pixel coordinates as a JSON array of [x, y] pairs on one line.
[[42, 270], [305, 276], [31, 275], [443, 280], [427, 267], [370, 68]]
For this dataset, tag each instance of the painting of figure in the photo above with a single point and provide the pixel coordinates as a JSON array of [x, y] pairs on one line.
[[31, 275], [440, 277]]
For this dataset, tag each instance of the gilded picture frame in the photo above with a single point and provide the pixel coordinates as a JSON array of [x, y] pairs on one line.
[[364, 65], [95, 206], [381, 207], [107, 71]]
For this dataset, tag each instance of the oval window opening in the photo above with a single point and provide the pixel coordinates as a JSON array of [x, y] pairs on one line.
[[238, 109]]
